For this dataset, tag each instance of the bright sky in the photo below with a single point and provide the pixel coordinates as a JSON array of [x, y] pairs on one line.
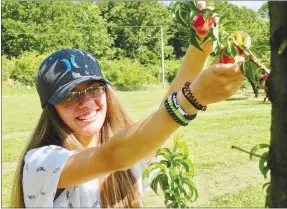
[[255, 5]]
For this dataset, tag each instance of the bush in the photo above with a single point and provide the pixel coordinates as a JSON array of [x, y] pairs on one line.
[[27, 66], [155, 71], [126, 74], [171, 69], [8, 66]]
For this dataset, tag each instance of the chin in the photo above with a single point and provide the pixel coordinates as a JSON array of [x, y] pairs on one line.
[[88, 131]]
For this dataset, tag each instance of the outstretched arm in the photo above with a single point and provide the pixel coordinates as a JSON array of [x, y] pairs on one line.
[[193, 63]]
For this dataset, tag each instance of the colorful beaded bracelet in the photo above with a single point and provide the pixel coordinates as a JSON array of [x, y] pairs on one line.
[[173, 115], [189, 96], [175, 111], [181, 111]]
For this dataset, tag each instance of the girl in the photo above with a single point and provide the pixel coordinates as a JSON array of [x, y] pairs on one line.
[[85, 150]]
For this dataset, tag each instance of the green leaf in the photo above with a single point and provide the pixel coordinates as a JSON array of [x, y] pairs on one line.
[[184, 149], [164, 152], [262, 165], [206, 15], [256, 148], [191, 15], [153, 166], [266, 184], [250, 71], [154, 184], [192, 40], [164, 184], [242, 68], [192, 188], [178, 18], [184, 16], [171, 205], [192, 6]]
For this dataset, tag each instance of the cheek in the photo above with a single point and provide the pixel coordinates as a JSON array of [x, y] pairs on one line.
[[65, 113], [102, 102]]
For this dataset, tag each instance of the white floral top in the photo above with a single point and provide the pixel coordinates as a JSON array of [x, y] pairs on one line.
[[41, 174]]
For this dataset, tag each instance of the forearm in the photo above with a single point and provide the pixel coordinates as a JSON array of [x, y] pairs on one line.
[[193, 63], [141, 139]]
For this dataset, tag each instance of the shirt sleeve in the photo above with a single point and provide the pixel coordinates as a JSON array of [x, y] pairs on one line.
[[41, 174]]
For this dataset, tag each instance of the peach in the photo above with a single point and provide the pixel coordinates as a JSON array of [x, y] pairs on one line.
[[201, 26], [226, 59], [201, 5]]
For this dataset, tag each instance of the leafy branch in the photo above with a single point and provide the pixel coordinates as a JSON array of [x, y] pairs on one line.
[[173, 174]]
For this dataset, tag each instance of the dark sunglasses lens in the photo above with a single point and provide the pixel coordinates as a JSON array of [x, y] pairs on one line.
[[71, 98]]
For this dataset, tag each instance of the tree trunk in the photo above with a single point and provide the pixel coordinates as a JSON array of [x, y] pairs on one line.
[[254, 87], [277, 87]]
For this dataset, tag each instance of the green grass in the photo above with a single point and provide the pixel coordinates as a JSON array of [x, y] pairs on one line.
[[251, 197], [7, 179], [12, 149], [224, 177]]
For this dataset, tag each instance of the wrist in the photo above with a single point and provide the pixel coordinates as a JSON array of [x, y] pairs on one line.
[[185, 105], [198, 94]]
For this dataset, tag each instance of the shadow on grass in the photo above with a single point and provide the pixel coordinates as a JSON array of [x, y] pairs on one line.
[[236, 99]]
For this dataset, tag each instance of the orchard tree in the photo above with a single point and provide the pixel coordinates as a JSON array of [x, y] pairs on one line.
[[278, 95]]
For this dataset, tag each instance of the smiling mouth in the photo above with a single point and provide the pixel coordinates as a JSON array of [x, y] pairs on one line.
[[88, 117]]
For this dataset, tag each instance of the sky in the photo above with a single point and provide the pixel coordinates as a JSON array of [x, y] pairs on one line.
[[254, 5]]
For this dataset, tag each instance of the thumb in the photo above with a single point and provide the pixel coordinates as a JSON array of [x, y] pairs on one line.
[[216, 60]]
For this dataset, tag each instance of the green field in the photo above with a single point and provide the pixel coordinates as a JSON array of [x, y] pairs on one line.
[[224, 177]]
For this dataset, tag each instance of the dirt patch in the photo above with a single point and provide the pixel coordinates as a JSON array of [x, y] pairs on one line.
[[8, 167]]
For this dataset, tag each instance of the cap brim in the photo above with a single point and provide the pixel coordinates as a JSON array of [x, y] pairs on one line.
[[61, 93]]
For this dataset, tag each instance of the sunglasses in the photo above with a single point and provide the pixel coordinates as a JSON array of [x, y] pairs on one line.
[[92, 91]]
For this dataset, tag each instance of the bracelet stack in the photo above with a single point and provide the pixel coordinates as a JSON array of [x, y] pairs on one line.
[[176, 112], [189, 96]]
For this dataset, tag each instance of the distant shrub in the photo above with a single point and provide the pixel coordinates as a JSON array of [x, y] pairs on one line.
[[171, 69], [7, 66], [126, 74], [27, 66]]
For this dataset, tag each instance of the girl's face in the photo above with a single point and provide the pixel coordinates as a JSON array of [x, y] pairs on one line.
[[86, 117]]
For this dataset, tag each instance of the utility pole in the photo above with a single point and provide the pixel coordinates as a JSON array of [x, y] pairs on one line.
[[162, 55], [162, 46]]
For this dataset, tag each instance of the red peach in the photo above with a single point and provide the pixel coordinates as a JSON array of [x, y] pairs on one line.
[[226, 59], [198, 21], [264, 77]]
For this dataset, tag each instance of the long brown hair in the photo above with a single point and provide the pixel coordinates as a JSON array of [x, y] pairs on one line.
[[118, 189]]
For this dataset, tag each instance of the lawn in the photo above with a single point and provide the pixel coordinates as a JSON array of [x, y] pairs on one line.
[[224, 177]]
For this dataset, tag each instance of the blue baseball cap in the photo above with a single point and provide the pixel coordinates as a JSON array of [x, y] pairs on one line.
[[60, 72]]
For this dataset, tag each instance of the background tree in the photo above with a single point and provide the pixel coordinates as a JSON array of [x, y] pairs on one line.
[[48, 26], [278, 91], [142, 43]]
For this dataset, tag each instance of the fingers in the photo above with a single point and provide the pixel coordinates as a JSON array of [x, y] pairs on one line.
[[233, 86], [227, 69], [217, 60]]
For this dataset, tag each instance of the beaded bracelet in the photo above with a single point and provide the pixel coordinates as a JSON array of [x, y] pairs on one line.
[[172, 114], [181, 111], [188, 95], [175, 111]]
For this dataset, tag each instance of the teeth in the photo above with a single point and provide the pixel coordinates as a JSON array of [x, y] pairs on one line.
[[88, 116]]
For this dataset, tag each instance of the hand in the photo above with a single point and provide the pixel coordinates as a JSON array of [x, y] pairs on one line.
[[218, 82]]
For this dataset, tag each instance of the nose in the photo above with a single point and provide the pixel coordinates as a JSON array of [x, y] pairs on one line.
[[86, 101]]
